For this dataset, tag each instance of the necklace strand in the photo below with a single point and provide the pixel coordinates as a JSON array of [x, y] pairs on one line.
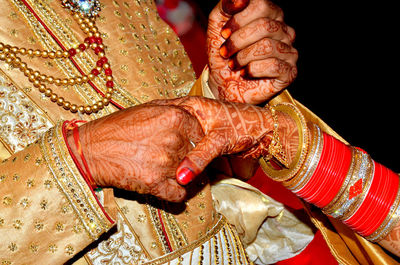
[[10, 54]]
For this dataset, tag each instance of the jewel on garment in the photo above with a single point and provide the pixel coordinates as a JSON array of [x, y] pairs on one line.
[[89, 8]]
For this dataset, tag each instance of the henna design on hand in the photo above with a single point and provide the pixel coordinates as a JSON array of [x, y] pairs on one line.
[[139, 149], [259, 26], [232, 128]]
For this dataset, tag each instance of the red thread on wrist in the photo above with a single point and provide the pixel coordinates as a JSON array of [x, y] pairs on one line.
[[86, 174]]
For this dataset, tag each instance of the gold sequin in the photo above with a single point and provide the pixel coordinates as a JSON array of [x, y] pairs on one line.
[[44, 204], [34, 247], [48, 184], [16, 177], [17, 224], [25, 203], [141, 218], [59, 227], [53, 248], [7, 200], [30, 183], [12, 247], [38, 225], [69, 250]]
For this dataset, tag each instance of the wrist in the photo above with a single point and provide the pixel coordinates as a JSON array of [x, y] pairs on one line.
[[73, 136]]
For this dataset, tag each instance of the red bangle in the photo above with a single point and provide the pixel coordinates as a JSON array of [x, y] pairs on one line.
[[377, 203], [86, 174], [329, 174]]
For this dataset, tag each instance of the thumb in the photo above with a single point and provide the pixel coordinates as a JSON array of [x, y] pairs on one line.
[[198, 158]]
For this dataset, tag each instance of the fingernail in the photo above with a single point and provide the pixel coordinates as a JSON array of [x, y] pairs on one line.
[[243, 72], [184, 176], [223, 51], [231, 64], [226, 33]]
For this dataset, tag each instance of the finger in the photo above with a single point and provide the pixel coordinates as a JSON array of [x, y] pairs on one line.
[[264, 49], [274, 68], [232, 7], [256, 9], [252, 33], [193, 164], [169, 190]]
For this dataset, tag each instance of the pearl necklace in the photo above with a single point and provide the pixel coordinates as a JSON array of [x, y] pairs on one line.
[[84, 12]]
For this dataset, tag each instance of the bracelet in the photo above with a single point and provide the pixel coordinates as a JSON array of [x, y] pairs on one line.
[[354, 188], [377, 204], [317, 142], [86, 174], [329, 173], [272, 169]]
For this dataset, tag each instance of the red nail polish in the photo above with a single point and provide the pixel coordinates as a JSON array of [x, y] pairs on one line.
[[184, 176], [226, 33], [223, 51]]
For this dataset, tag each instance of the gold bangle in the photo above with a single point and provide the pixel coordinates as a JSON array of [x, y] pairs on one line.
[[301, 179], [283, 174]]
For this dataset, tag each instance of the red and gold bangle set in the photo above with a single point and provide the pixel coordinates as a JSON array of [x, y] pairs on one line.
[[341, 180]]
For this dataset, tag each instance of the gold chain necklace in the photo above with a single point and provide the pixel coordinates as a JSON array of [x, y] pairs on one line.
[[84, 12]]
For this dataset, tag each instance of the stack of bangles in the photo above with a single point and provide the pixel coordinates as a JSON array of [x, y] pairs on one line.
[[340, 179]]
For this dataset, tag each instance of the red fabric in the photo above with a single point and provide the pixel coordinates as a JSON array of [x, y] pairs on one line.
[[317, 251]]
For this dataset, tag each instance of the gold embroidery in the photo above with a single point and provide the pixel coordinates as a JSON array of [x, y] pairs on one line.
[[69, 250], [17, 224], [53, 248]]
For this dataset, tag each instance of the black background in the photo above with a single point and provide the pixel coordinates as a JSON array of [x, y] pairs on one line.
[[348, 69]]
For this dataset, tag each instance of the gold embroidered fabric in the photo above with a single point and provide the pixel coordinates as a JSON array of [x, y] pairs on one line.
[[39, 219]]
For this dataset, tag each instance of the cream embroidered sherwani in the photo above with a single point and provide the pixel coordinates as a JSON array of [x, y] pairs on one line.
[[47, 212]]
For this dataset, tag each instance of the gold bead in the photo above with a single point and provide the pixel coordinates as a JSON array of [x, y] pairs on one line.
[[90, 24], [65, 54], [60, 101], [43, 78], [53, 97], [74, 108], [81, 109], [36, 83], [76, 16], [106, 101], [98, 68], [109, 78], [97, 34], [101, 54], [101, 46], [94, 108], [42, 89], [9, 60], [1, 46], [91, 76], [29, 52], [106, 65], [85, 78], [27, 72], [59, 54], [94, 29], [48, 92], [86, 30], [37, 53], [57, 81], [78, 80], [71, 81], [31, 77], [108, 95], [110, 90], [14, 49], [67, 105], [6, 50], [45, 54], [100, 104], [88, 110], [2, 56], [22, 51], [50, 79], [36, 74], [22, 66], [64, 81], [17, 61], [93, 45], [52, 55]]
